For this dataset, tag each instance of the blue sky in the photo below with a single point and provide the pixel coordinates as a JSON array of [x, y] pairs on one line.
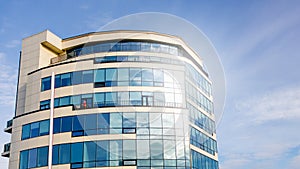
[[258, 43]]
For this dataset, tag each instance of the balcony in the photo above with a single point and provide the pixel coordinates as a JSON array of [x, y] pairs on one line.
[[6, 150], [8, 128]]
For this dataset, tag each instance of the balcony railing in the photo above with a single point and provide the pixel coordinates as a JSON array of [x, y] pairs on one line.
[[9, 124], [6, 150]]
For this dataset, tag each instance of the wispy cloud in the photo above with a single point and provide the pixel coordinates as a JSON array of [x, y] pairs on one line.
[[7, 82], [13, 43], [281, 104]]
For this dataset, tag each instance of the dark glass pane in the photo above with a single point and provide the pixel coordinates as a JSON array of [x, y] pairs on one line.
[[66, 124], [24, 159], [46, 83], [77, 78], [44, 127], [76, 152], [32, 159], [91, 122], [57, 81], [64, 153], [55, 154], [34, 131], [78, 123], [89, 151], [87, 76], [42, 156], [56, 125], [66, 79], [26, 131]]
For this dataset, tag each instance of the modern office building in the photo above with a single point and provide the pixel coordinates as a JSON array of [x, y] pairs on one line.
[[116, 99]]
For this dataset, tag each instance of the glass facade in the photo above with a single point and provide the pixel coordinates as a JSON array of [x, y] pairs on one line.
[[116, 77], [117, 99], [177, 133]]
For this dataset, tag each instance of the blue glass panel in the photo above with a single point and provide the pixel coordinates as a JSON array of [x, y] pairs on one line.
[[24, 159], [76, 152], [66, 79], [87, 76], [26, 131], [56, 102], [111, 74], [34, 131], [102, 153], [45, 104], [78, 123], [55, 155], [99, 75], [76, 101], [57, 81], [32, 159], [103, 120], [91, 122], [129, 120], [64, 153], [135, 98], [76, 77], [44, 127], [110, 98], [99, 100], [156, 149], [46, 83], [66, 124], [129, 149], [42, 156], [56, 125], [89, 151], [64, 101], [135, 77]]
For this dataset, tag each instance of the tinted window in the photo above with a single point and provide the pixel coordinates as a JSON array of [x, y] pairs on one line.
[[66, 124], [76, 152], [26, 131], [34, 132], [87, 76], [32, 159], [56, 125], [24, 159], [44, 127], [42, 156], [46, 83], [64, 153]]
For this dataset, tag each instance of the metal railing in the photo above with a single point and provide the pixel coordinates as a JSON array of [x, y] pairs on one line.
[[9, 123], [6, 147]]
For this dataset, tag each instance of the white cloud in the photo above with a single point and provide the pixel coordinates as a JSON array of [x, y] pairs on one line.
[[12, 43], [281, 104], [8, 78]]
